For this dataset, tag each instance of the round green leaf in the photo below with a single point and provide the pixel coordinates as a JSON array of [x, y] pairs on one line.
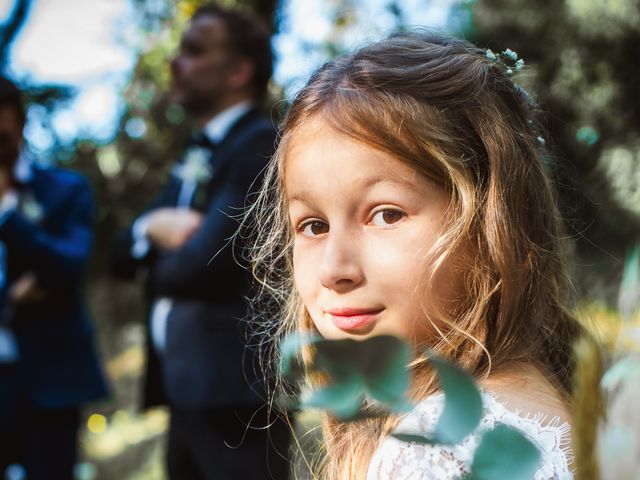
[[412, 437], [338, 358], [384, 368], [376, 366], [504, 454], [342, 400], [290, 361], [379, 362], [463, 403]]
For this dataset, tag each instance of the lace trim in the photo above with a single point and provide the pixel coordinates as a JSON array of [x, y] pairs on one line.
[[551, 436], [411, 461]]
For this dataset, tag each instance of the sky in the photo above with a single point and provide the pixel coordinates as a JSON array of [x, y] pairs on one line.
[[310, 22], [79, 43], [90, 45]]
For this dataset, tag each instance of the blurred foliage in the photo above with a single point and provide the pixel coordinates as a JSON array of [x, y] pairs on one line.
[[606, 420], [587, 85], [371, 369]]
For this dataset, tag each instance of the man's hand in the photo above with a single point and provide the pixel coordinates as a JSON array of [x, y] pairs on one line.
[[170, 228], [26, 290]]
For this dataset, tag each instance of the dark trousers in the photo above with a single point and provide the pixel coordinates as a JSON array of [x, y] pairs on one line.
[[42, 441], [227, 444]]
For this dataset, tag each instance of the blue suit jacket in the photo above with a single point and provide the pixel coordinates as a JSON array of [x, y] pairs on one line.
[[206, 363], [58, 365]]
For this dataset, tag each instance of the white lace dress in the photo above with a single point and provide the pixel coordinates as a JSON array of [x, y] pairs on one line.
[[399, 460]]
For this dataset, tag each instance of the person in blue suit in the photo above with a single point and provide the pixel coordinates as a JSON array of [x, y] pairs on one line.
[[198, 360], [48, 361]]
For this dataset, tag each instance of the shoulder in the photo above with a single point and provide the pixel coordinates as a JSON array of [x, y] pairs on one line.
[[254, 131], [395, 459], [248, 148], [62, 189], [60, 176], [256, 121]]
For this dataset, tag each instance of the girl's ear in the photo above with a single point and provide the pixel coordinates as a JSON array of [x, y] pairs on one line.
[[241, 73]]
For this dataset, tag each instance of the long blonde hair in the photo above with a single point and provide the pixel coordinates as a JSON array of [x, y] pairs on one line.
[[442, 106]]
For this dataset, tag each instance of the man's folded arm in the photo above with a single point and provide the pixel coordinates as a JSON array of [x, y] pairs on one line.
[[192, 268]]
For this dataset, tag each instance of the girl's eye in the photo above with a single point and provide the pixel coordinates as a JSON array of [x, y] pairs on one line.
[[387, 217], [313, 228]]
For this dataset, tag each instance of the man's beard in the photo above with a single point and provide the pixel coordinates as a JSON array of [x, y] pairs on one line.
[[196, 104]]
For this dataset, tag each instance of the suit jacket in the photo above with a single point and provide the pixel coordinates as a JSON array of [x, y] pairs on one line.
[[58, 365], [206, 363]]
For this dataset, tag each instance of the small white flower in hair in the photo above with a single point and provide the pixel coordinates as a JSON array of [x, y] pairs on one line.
[[490, 55], [511, 54]]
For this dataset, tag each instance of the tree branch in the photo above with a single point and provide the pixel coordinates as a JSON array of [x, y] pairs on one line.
[[11, 27]]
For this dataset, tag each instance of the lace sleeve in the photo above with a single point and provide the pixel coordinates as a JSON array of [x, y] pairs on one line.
[[398, 460], [412, 461]]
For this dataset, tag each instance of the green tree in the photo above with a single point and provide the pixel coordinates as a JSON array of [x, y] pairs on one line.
[[586, 81]]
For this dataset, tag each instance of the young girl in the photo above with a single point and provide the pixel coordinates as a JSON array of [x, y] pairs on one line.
[[409, 196]]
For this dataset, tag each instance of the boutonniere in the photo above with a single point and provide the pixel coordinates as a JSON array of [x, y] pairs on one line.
[[30, 208], [196, 167]]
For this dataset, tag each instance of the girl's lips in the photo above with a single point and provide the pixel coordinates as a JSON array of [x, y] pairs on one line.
[[353, 318]]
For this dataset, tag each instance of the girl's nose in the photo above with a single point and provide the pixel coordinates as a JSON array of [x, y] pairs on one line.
[[341, 267]]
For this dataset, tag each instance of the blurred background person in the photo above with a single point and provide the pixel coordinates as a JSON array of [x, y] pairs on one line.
[[197, 359], [48, 361]]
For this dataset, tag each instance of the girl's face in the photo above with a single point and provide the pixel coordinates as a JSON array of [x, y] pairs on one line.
[[363, 224]]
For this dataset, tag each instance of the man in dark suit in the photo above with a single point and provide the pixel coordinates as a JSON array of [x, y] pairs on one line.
[[198, 362], [48, 362]]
